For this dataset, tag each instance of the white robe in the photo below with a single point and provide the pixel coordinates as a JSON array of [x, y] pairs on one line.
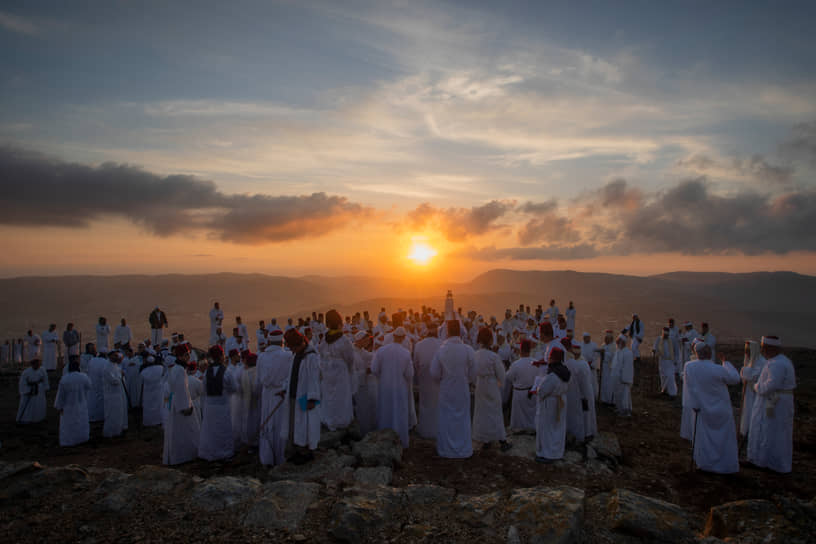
[[152, 394], [102, 334], [664, 350], [196, 389], [580, 423], [427, 386], [770, 442], [72, 399], [750, 375], [365, 399], [32, 387], [551, 416], [518, 382], [217, 440], [133, 379], [687, 414], [607, 379], [274, 368], [122, 335], [236, 402], [392, 367], [181, 433], [116, 411], [570, 315], [49, 356], [488, 417], [336, 367], [623, 372], [216, 319], [454, 365], [715, 439], [97, 367], [307, 422], [251, 400]]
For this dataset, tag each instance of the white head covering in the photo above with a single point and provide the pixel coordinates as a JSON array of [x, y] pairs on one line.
[[771, 341], [360, 335], [400, 331]]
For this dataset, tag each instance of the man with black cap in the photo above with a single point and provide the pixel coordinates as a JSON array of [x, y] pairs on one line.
[[181, 433], [303, 393], [217, 441]]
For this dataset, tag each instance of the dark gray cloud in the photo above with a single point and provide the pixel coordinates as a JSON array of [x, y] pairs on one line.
[[41, 191], [756, 167], [802, 143], [539, 208], [460, 223]]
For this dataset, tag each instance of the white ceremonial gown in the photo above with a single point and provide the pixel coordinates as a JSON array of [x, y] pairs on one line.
[[102, 335], [152, 394], [336, 367], [182, 432], [518, 382], [715, 443], [216, 319], [217, 440], [236, 402], [581, 422], [116, 412], [367, 386], [97, 367], [274, 368], [664, 348], [454, 365], [122, 335], [32, 387], [49, 356], [427, 386], [607, 378], [72, 399], [570, 315], [770, 442], [306, 422], [133, 379], [196, 389], [251, 400], [687, 414], [392, 367], [33, 344], [750, 375], [623, 371], [488, 418], [551, 416]]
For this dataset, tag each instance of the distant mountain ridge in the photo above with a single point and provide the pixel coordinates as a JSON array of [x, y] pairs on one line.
[[737, 305]]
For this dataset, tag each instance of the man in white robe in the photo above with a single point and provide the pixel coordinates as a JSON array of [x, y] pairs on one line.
[[122, 335], [32, 387], [552, 313], [251, 402], [770, 442], [687, 414], [550, 392], [519, 381], [103, 335], [152, 377], [131, 365], [488, 417], [570, 315], [33, 344], [217, 441], [674, 335], [427, 386], [454, 366], [395, 372], [752, 365], [116, 412], [635, 332], [243, 331], [608, 349], [581, 422], [715, 435], [234, 342], [664, 350], [235, 370], [50, 342], [623, 375], [274, 368], [97, 368], [336, 369], [216, 319], [367, 386], [303, 394], [183, 428], [709, 339], [72, 403]]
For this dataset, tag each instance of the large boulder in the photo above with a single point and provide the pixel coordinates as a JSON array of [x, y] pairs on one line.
[[325, 465], [547, 514], [224, 492], [379, 448], [283, 505], [33, 480], [782, 520], [606, 445], [524, 445], [648, 518], [119, 490], [373, 475], [364, 511], [478, 510], [419, 494]]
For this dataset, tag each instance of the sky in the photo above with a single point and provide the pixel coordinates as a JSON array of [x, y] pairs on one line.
[[295, 138]]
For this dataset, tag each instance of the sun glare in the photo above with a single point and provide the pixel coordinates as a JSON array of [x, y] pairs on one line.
[[421, 253]]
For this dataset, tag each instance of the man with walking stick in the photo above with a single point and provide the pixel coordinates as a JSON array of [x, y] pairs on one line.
[[32, 386]]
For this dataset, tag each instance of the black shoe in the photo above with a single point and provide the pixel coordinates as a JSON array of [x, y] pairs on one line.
[[505, 446], [544, 460]]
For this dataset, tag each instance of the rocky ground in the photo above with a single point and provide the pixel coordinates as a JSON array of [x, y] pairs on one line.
[[633, 483]]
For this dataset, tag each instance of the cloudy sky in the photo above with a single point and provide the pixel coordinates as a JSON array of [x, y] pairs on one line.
[[309, 137]]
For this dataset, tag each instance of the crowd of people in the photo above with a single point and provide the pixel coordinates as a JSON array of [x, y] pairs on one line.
[[450, 376]]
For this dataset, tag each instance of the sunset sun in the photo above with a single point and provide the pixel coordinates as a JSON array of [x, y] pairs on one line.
[[421, 253]]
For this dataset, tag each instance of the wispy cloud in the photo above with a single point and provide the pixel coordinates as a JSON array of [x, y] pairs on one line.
[[18, 24]]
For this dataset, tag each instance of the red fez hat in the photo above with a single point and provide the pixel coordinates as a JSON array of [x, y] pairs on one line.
[[234, 351], [181, 349], [216, 351]]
